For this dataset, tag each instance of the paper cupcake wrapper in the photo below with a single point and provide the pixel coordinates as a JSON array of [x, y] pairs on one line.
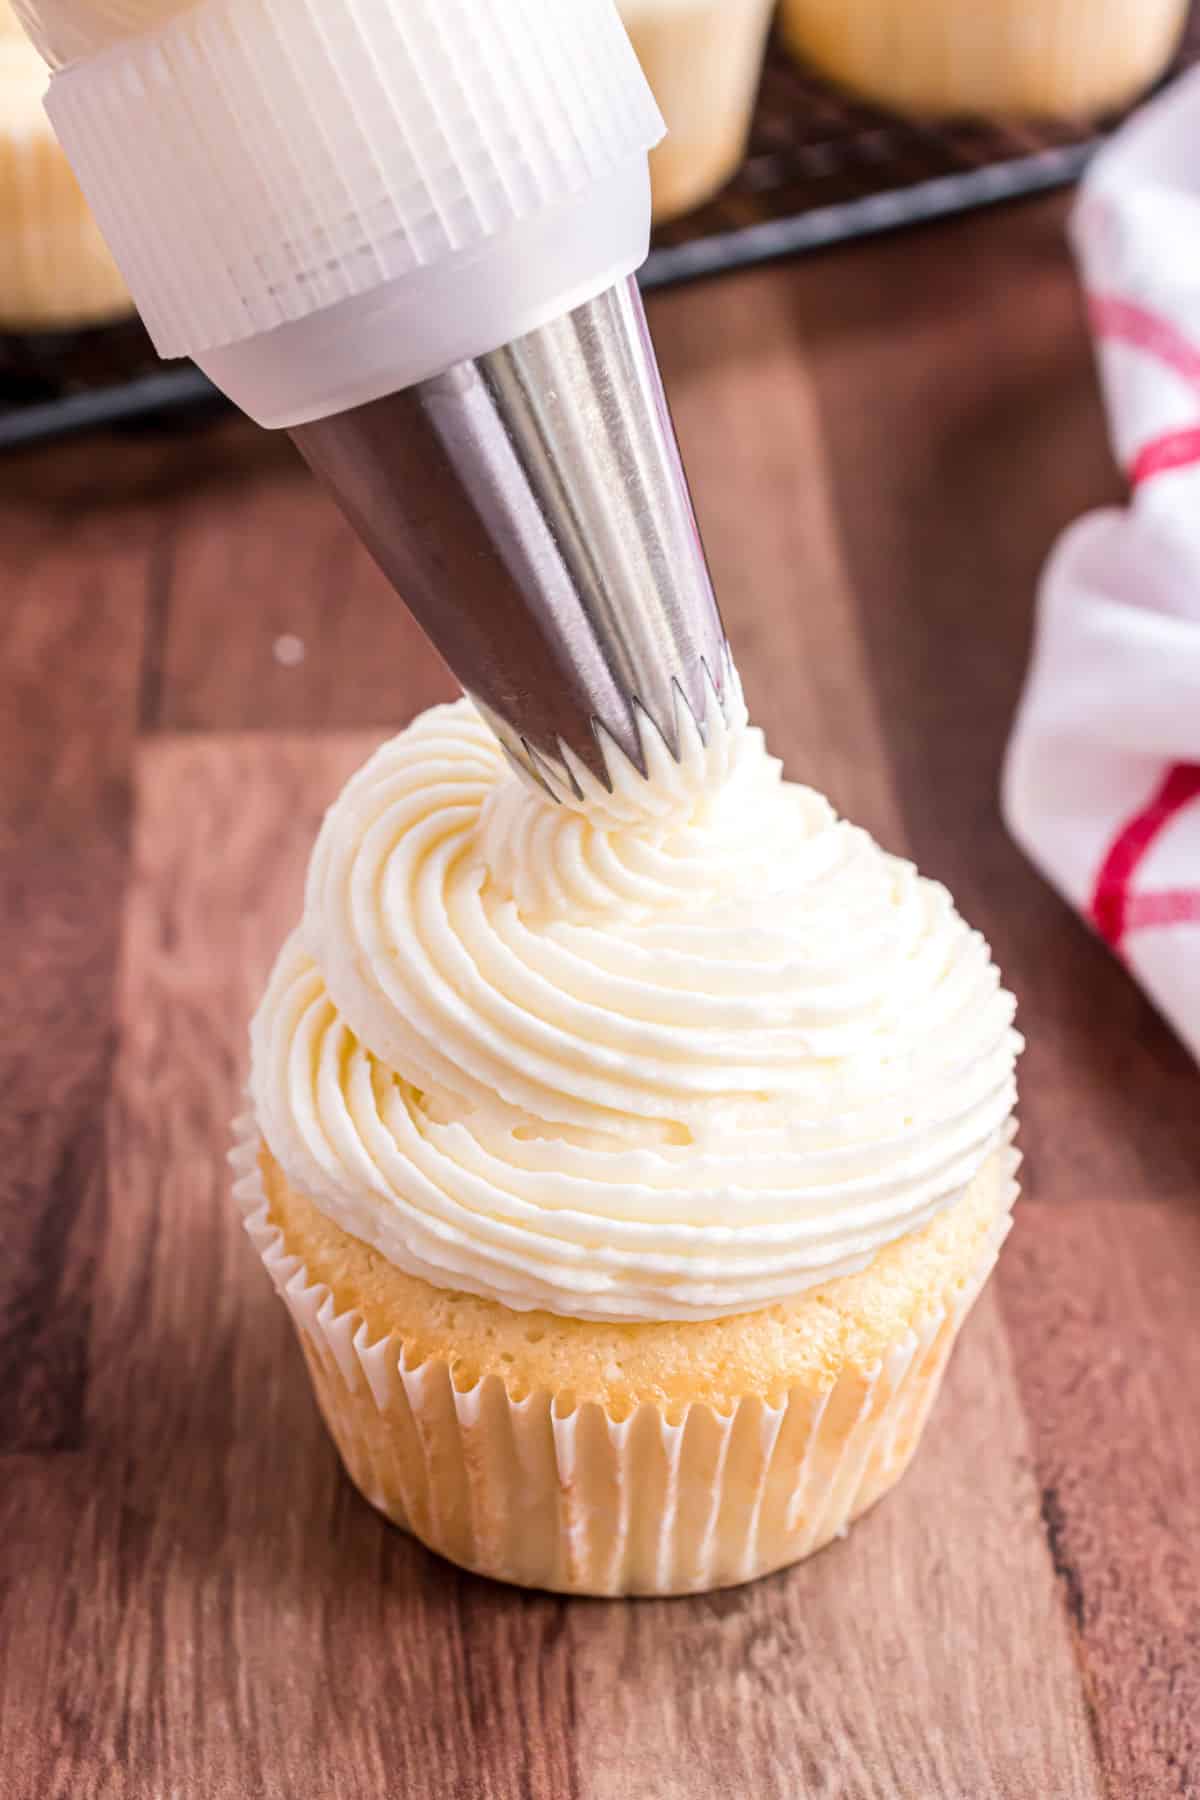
[[547, 1493]]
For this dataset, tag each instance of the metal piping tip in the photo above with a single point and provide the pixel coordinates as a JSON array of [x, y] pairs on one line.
[[531, 509], [566, 777]]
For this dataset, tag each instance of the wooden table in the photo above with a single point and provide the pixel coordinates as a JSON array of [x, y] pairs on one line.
[[884, 442]]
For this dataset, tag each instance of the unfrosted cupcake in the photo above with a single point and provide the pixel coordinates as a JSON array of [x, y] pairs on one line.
[[703, 59], [1033, 57], [628, 1167], [55, 268]]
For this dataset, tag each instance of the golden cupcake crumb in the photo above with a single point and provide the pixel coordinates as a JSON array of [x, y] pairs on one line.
[[806, 1342]]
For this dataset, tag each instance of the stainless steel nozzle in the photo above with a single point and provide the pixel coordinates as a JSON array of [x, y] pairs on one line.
[[531, 509]]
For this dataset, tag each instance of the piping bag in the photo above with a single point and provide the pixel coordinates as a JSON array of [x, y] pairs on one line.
[[406, 231]]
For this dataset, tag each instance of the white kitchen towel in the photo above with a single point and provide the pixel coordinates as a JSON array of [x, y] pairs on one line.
[[1102, 777]]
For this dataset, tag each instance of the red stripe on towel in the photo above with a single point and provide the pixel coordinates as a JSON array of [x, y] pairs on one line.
[[1113, 910], [1173, 450], [1125, 322]]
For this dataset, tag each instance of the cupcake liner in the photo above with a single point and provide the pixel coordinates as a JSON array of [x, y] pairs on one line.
[[539, 1490]]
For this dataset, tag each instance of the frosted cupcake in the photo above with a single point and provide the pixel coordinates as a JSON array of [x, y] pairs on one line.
[[628, 1167], [55, 268], [703, 59], [1033, 57]]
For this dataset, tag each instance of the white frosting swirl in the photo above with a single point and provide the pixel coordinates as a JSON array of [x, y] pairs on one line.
[[623, 1064]]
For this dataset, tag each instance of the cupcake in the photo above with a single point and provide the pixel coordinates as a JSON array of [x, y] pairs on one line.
[[1021, 57], [703, 59], [55, 269], [627, 1165]]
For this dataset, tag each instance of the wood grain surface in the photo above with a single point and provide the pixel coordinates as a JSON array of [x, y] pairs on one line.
[[193, 654]]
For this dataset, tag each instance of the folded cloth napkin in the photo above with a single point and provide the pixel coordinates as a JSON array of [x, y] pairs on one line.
[[1101, 783]]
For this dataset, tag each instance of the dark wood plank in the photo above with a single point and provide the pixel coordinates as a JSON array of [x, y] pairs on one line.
[[278, 617], [51, 1660], [59, 918], [79, 573], [81, 563], [1102, 1309]]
